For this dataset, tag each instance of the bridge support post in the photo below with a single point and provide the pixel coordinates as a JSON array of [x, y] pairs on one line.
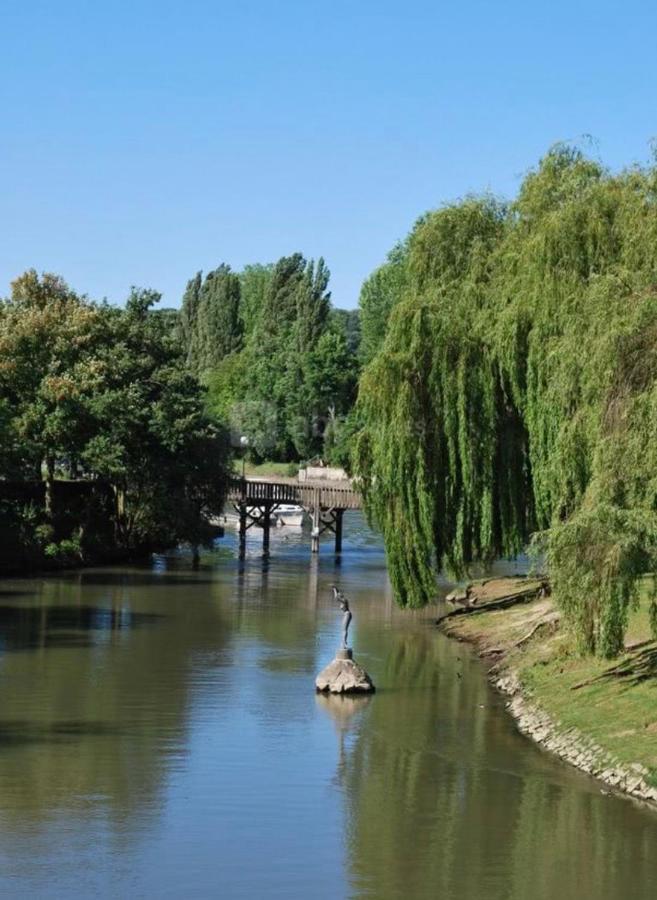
[[338, 530], [266, 522], [242, 530], [317, 518]]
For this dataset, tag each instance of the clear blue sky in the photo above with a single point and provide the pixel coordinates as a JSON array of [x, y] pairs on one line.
[[142, 141]]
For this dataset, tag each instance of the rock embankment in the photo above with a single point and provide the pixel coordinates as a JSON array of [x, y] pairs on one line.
[[571, 745], [515, 626]]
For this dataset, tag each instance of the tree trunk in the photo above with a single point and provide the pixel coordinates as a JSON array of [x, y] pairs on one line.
[[50, 487], [120, 525]]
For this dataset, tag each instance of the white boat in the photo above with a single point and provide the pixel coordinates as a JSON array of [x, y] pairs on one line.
[[289, 514], [285, 514]]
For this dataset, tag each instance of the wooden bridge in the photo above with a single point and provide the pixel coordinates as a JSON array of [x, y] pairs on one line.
[[256, 501]]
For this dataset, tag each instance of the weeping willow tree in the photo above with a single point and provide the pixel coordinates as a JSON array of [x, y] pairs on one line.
[[515, 394]]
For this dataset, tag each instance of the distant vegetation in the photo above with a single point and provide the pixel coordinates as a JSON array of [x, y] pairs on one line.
[[280, 363], [511, 390], [116, 423]]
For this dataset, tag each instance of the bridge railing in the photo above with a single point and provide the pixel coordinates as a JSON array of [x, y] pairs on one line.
[[306, 495], [253, 491]]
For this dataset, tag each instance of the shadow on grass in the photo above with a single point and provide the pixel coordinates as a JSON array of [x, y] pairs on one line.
[[631, 671]]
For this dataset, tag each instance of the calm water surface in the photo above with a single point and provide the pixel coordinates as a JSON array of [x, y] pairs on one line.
[[160, 737]]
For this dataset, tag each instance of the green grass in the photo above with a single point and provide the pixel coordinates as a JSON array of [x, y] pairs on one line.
[[618, 712], [267, 469]]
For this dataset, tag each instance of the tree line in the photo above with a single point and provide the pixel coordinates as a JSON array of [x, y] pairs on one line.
[[99, 396], [510, 394], [116, 423], [280, 363]]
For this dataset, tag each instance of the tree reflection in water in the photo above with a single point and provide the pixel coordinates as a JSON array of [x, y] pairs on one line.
[[99, 667], [444, 798]]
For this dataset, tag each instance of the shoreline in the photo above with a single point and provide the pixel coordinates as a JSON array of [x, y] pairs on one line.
[[514, 642]]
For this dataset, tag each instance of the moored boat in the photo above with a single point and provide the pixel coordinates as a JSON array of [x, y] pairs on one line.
[[289, 514]]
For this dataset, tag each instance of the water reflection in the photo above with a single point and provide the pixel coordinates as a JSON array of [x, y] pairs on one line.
[[445, 799], [29, 627], [96, 702], [345, 711], [160, 736]]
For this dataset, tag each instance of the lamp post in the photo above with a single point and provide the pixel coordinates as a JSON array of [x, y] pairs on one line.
[[244, 443]]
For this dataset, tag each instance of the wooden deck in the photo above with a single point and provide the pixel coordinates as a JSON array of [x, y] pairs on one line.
[[340, 495], [257, 500]]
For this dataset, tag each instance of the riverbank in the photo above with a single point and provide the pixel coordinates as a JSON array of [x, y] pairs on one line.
[[267, 469], [598, 715]]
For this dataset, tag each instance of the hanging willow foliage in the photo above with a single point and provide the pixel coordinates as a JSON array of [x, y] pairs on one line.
[[516, 393]]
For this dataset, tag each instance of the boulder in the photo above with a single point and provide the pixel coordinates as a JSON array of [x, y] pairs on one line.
[[344, 676]]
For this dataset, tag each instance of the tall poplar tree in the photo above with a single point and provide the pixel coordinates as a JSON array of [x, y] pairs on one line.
[[254, 283], [219, 327], [313, 305], [211, 324], [189, 320], [296, 371]]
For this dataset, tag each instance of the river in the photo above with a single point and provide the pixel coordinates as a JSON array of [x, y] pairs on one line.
[[160, 737]]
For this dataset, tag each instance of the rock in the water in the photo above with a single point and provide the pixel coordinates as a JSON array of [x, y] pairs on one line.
[[344, 676]]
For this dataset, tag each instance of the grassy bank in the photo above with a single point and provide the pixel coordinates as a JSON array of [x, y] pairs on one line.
[[267, 469], [609, 705]]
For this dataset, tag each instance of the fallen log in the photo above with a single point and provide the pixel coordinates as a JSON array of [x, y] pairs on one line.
[[550, 619], [523, 595]]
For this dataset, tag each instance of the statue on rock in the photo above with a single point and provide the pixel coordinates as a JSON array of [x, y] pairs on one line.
[[340, 598], [343, 675]]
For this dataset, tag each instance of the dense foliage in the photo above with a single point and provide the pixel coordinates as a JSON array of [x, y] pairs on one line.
[[515, 392], [210, 318], [379, 295], [101, 395], [280, 364]]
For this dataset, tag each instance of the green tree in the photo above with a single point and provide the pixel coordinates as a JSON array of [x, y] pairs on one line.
[[153, 442], [325, 390], [516, 390], [295, 312], [211, 324], [227, 385], [254, 284], [290, 387], [380, 293], [313, 305], [103, 393], [48, 337], [189, 331], [219, 326], [347, 321]]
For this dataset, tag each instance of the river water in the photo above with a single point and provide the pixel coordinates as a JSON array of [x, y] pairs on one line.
[[160, 737]]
